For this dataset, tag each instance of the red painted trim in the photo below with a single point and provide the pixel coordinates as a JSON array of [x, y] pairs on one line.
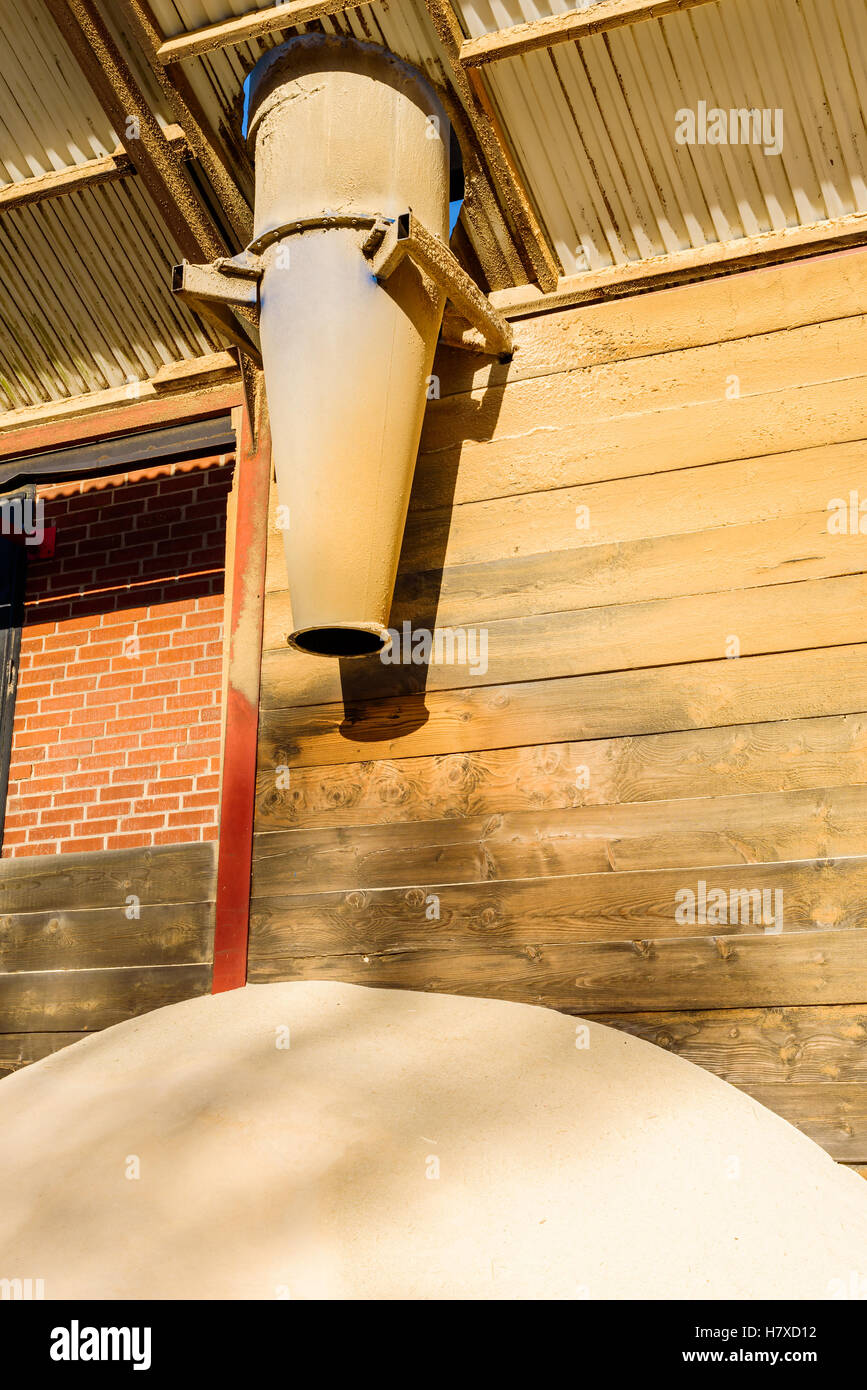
[[174, 409], [237, 798]]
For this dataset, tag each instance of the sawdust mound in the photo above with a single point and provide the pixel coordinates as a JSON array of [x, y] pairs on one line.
[[406, 1145]]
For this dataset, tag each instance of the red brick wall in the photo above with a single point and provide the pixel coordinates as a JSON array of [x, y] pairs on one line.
[[116, 742]]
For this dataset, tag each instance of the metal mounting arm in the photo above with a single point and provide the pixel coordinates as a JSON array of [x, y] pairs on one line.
[[390, 241], [213, 289]]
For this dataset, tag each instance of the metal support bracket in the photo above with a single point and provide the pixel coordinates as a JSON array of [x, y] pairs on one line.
[[233, 281], [390, 242], [227, 282]]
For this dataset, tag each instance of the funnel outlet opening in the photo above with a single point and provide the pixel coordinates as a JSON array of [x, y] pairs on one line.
[[341, 641]]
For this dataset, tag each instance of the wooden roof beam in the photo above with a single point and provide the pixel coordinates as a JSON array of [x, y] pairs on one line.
[[541, 259], [494, 242], [208, 148], [243, 27], [159, 165], [161, 168], [106, 169], [566, 28]]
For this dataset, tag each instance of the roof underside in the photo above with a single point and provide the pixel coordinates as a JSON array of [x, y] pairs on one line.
[[592, 124], [573, 168]]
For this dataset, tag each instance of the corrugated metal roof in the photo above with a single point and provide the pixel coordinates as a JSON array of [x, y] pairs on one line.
[[84, 296], [593, 124], [487, 16], [85, 300], [49, 117]]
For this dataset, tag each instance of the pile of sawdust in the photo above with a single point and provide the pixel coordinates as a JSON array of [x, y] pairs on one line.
[[312, 1140]]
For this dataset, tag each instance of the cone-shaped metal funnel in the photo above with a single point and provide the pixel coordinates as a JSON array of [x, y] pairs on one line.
[[347, 137]]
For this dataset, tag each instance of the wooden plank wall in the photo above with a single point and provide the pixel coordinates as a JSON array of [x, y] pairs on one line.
[[522, 832], [74, 957]]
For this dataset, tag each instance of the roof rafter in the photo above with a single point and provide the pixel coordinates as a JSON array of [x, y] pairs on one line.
[[159, 165], [541, 258], [106, 169], [249, 26], [494, 242], [209, 149], [566, 28]]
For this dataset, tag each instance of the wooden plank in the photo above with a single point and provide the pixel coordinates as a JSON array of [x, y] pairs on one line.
[[18, 1050], [767, 300], [759, 364], [637, 907], [600, 977], [781, 617], [703, 831], [570, 27], [684, 502], [860, 1169], [702, 695], [162, 874], [680, 267], [786, 549], [67, 1001], [106, 169], [727, 374], [246, 27], [748, 758], [834, 1116], [194, 372], [761, 1047], [539, 457], [98, 938], [82, 419]]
